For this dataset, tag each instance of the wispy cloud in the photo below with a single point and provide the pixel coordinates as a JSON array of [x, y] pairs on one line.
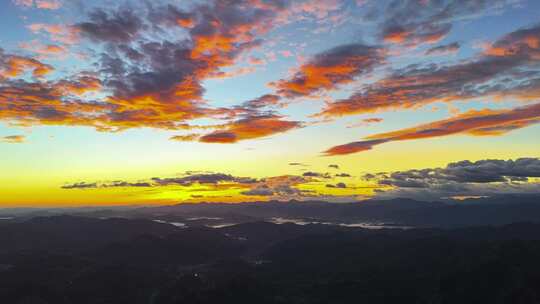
[[40, 4], [446, 49], [476, 123], [13, 139]]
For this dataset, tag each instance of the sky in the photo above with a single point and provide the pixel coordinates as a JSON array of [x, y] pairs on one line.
[[163, 102]]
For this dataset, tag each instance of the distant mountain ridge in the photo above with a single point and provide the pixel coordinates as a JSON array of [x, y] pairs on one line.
[[497, 210]]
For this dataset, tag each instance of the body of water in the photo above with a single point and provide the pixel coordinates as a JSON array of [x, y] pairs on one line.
[[177, 224], [365, 225]]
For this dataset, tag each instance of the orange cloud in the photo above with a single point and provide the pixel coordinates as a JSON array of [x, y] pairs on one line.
[[144, 84], [52, 103], [13, 66], [80, 85], [57, 32], [250, 128], [397, 35], [365, 122], [13, 139], [330, 69], [160, 84], [234, 73], [416, 35], [286, 53], [53, 49], [42, 4], [263, 101], [476, 123], [188, 137], [43, 50], [485, 76], [48, 4], [519, 43], [256, 61]]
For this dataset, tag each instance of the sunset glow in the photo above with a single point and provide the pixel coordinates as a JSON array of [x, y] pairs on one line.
[[135, 103]]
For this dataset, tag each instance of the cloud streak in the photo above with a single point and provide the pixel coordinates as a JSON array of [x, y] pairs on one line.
[[250, 128], [446, 49], [40, 4], [476, 123], [13, 139]]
